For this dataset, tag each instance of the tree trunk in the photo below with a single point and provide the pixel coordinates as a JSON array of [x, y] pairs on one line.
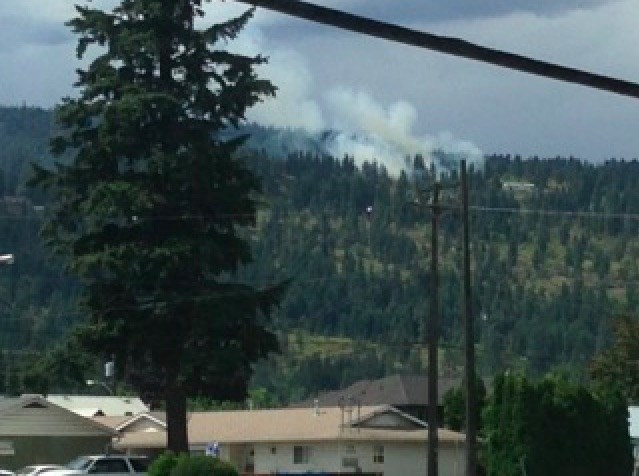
[[177, 436]]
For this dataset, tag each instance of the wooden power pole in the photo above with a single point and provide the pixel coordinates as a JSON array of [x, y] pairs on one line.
[[469, 334], [469, 342]]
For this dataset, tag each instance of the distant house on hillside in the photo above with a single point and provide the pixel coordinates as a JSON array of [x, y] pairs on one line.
[[407, 393], [98, 405], [517, 186], [298, 441]]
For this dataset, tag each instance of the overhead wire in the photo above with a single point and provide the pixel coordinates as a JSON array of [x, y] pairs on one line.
[[475, 208]]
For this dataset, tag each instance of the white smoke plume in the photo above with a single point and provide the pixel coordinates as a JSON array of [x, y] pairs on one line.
[[293, 106], [340, 121], [386, 135]]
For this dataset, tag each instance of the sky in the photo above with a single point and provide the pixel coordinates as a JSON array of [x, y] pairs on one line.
[[329, 78]]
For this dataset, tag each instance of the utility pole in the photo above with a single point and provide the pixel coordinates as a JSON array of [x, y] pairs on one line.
[[433, 331], [433, 336], [469, 343]]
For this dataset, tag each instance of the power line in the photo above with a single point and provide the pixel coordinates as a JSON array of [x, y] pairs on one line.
[[474, 208], [452, 46], [548, 212]]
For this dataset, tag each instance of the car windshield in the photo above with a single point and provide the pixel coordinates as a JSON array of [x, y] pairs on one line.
[[80, 463]]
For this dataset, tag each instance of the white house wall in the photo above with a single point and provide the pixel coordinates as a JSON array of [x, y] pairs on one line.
[[400, 458], [323, 458], [411, 458]]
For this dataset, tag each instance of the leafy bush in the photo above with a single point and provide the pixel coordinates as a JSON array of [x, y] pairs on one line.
[[190, 465], [163, 465], [222, 468]]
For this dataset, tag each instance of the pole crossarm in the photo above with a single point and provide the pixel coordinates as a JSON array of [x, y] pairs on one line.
[[447, 45]]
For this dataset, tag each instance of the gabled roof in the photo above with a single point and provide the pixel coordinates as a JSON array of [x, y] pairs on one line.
[[396, 390], [156, 421], [93, 405], [32, 415], [150, 420], [293, 425], [389, 417]]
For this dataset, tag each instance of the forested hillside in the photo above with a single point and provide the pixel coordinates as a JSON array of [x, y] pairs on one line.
[[36, 298], [554, 260], [554, 248]]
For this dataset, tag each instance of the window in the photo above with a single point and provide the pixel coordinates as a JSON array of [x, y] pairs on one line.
[[80, 463], [378, 454], [140, 465], [109, 466], [301, 454], [6, 448], [350, 462]]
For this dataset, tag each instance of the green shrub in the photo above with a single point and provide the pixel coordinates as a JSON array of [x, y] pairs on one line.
[[163, 465], [222, 468], [192, 465]]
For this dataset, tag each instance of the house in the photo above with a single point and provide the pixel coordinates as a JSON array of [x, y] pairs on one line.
[[380, 440], [99, 405], [34, 431], [408, 393], [516, 186]]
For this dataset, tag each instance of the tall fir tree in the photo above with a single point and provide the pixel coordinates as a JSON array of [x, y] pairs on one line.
[[150, 202]]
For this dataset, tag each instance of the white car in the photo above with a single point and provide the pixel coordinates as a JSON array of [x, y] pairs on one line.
[[104, 465], [37, 469], [6, 472]]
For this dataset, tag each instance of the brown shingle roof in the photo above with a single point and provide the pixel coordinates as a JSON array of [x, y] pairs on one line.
[[396, 390], [282, 425]]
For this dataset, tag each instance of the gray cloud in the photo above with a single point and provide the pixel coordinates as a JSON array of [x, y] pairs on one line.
[[497, 109], [411, 12], [18, 31], [438, 10]]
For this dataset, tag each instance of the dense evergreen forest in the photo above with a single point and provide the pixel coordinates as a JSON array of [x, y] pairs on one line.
[[554, 247]]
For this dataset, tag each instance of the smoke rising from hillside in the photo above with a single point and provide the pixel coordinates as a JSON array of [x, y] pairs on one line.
[[386, 135], [340, 121]]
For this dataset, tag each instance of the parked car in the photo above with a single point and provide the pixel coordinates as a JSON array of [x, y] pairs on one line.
[[37, 469], [6, 472], [104, 465]]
